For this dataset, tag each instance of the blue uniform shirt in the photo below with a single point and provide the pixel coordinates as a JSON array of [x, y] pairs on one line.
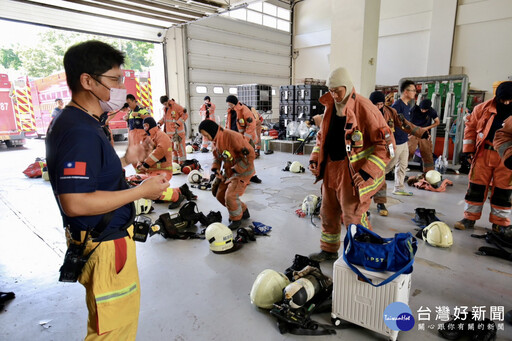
[[401, 108], [422, 119], [80, 159]]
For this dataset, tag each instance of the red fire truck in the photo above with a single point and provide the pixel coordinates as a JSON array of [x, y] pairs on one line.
[[17, 120], [29, 104]]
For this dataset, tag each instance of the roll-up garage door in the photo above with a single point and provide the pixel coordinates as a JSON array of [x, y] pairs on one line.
[[223, 53]]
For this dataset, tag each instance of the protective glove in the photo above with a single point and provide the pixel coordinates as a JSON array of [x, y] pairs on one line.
[[358, 179]]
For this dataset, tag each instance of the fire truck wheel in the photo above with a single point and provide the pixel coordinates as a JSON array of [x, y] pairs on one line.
[[11, 144]]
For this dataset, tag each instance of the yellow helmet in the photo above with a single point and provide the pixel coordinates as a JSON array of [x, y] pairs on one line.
[[296, 167], [220, 238], [142, 206], [434, 178], [176, 168], [268, 287], [438, 234], [195, 177], [309, 204]]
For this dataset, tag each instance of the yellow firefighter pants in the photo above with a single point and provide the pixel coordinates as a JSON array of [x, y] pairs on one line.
[[113, 299]]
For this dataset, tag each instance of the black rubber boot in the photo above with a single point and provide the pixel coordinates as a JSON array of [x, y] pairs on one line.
[[323, 256], [255, 179], [204, 150], [464, 224], [382, 210], [177, 203], [430, 214], [504, 232], [246, 214], [420, 217], [235, 225], [187, 192]]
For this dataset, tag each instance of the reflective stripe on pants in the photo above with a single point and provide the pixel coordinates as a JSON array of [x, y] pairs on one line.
[[488, 168], [339, 205], [113, 299], [229, 195]]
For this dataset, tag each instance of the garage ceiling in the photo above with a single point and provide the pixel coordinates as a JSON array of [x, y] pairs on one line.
[[135, 19]]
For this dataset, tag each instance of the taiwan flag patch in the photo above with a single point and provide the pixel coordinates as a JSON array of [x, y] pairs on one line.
[[75, 168]]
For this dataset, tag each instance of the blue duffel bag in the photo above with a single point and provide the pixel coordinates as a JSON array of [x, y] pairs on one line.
[[366, 248]]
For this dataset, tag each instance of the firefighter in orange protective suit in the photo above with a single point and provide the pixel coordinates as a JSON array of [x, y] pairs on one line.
[[503, 144], [174, 119], [352, 149], [240, 118], [207, 112], [257, 135], [487, 168], [233, 152], [394, 121], [159, 161]]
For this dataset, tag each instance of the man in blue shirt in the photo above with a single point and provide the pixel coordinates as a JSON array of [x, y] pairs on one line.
[[422, 116], [408, 93], [87, 179], [58, 109]]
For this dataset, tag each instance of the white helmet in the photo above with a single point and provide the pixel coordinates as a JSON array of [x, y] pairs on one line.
[[220, 238], [433, 177], [142, 206], [195, 177], [189, 149], [309, 204], [438, 234], [296, 167], [176, 168], [268, 287]]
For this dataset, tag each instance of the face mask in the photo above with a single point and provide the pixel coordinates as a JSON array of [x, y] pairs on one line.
[[116, 101]]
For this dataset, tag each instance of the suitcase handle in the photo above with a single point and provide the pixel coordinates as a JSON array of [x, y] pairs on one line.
[[386, 281]]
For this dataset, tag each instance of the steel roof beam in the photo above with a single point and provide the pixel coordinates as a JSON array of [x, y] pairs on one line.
[[65, 9], [117, 9]]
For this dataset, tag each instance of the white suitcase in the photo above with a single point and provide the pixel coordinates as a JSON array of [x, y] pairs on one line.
[[358, 302]]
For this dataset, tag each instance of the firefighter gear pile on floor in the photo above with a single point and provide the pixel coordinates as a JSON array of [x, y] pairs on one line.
[[424, 216], [36, 169], [432, 181], [501, 239], [175, 226], [292, 297]]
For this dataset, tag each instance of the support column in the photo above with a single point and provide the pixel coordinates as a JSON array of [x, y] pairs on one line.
[[354, 40], [176, 65], [440, 46]]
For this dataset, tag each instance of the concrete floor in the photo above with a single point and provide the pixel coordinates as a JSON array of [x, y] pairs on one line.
[[189, 293]]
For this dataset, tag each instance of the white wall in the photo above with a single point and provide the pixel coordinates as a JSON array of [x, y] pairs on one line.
[[482, 44], [312, 40], [404, 33]]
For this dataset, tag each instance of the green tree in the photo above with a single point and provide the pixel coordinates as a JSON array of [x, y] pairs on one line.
[[9, 59], [46, 57]]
